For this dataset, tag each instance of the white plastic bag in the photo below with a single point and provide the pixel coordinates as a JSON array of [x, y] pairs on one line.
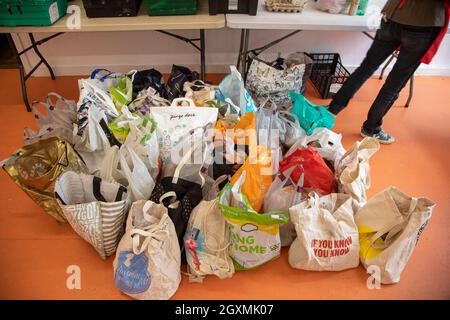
[[327, 236], [281, 197], [389, 228], [331, 6], [136, 177], [293, 131], [232, 87]]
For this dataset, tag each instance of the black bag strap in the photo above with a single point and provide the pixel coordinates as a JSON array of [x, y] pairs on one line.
[[96, 189], [120, 193]]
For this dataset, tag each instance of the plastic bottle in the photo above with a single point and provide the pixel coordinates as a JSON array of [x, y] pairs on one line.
[[362, 7]]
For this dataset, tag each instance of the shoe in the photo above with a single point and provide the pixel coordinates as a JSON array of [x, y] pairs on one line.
[[381, 136]]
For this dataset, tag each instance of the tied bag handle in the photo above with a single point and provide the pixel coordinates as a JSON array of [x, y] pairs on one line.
[[103, 78], [391, 232]]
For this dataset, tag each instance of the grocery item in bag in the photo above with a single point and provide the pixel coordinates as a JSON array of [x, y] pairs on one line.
[[318, 176], [207, 239], [259, 176], [255, 238], [147, 263], [94, 208], [353, 170], [389, 227], [310, 116], [331, 6], [232, 87], [327, 236], [199, 92], [35, 168]]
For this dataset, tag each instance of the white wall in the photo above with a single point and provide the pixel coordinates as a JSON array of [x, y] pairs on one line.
[[79, 53]]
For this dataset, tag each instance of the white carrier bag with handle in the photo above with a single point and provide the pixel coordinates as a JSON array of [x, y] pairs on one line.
[[293, 131], [389, 226], [207, 239], [353, 170], [94, 208], [176, 122], [58, 120], [280, 197], [327, 236], [148, 259]]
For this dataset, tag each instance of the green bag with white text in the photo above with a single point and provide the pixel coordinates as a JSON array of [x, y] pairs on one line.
[[255, 237]]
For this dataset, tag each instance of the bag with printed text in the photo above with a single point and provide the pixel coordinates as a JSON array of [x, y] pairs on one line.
[[255, 237], [94, 208], [327, 236]]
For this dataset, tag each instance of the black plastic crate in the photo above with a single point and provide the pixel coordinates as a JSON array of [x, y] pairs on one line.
[[111, 8], [328, 73], [233, 6]]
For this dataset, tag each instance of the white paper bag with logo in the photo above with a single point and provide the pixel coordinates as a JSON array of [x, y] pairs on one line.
[[353, 170], [280, 197], [136, 177], [389, 228], [94, 208], [207, 239], [327, 236], [176, 122], [148, 259]]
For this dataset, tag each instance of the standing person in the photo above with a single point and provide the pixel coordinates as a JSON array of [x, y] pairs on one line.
[[416, 28]]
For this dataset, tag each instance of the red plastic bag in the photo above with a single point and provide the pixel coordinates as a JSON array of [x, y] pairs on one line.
[[318, 176]]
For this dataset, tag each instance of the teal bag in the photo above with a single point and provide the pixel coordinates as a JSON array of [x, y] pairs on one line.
[[309, 115]]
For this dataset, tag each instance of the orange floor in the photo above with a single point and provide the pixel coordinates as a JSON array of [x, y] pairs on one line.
[[35, 251]]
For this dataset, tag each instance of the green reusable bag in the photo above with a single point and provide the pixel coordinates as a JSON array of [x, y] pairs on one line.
[[309, 115], [122, 93], [255, 237], [171, 7]]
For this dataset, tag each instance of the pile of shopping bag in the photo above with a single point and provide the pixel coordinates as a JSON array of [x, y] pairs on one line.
[[162, 174]]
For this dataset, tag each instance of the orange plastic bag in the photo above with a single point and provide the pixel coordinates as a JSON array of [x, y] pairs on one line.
[[259, 176], [245, 127]]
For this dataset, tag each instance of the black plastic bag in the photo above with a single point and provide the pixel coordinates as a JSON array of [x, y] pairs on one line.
[[148, 78], [178, 76]]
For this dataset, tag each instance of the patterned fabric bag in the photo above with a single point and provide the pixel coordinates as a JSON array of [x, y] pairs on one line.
[[95, 209], [276, 80]]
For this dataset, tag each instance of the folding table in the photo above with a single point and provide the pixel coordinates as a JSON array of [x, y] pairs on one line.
[[201, 21], [310, 19]]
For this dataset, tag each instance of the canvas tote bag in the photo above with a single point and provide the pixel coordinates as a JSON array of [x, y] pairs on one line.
[[148, 260], [207, 239], [327, 236], [353, 170], [95, 209], [389, 227]]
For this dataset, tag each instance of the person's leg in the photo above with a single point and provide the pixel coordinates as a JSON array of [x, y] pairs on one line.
[[385, 42], [415, 43]]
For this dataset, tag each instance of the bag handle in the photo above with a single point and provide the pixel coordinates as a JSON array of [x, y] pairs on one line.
[[102, 96], [102, 78], [392, 231], [299, 187], [184, 160], [176, 102]]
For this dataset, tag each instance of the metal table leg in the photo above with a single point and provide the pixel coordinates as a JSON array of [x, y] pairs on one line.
[[241, 46], [203, 55], [21, 70]]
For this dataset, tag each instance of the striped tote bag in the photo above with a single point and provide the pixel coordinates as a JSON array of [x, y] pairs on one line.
[[94, 208]]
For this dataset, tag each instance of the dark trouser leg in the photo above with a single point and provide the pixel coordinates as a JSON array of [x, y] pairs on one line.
[[384, 44], [415, 43]]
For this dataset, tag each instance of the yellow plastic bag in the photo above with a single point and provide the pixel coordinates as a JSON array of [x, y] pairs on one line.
[[259, 176]]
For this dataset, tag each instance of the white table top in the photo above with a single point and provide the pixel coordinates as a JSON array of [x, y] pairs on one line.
[[202, 20], [309, 19]]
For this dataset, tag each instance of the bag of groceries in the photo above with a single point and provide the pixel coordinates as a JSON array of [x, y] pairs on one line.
[[35, 168], [94, 208], [255, 237], [207, 239], [390, 225], [147, 263], [327, 236]]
